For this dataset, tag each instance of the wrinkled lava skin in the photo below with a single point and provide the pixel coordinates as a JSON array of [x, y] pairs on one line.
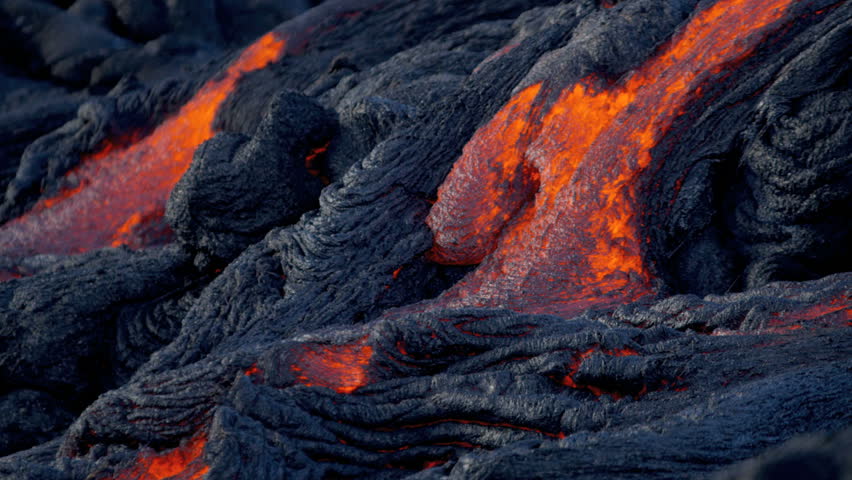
[[521, 239]]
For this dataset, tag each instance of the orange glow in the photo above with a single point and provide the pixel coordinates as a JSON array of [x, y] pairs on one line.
[[184, 460], [6, 275], [394, 275], [313, 162], [622, 352], [342, 368], [63, 194], [494, 56], [568, 381], [120, 193], [835, 311], [488, 166], [253, 370], [579, 358], [545, 198]]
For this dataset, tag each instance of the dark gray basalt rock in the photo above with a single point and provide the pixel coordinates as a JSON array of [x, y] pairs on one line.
[[738, 208], [31, 109], [52, 40], [31, 417], [823, 456], [239, 188], [73, 331]]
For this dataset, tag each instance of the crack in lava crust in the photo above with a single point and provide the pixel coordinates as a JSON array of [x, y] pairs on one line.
[[121, 193], [548, 197], [184, 460]]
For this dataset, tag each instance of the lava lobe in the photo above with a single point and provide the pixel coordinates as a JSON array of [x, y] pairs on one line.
[[552, 214]]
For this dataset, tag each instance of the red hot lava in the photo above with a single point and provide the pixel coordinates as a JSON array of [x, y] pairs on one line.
[[313, 162], [546, 198], [121, 193], [254, 372], [342, 368], [838, 311], [184, 460]]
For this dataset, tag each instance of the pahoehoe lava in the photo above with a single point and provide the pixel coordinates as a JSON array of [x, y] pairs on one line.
[[417, 239]]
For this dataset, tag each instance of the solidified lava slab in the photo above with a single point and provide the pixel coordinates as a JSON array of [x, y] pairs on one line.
[[517, 239]]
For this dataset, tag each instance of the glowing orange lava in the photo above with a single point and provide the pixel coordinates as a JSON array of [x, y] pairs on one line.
[[254, 370], [184, 460], [837, 311], [120, 193], [313, 162], [546, 198], [574, 367], [342, 368]]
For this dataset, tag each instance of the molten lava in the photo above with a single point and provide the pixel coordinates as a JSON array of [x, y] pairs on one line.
[[184, 460], [342, 368], [546, 197], [254, 371], [574, 367], [120, 193], [836, 312], [313, 162]]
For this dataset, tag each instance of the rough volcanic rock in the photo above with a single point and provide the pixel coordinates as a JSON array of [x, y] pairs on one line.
[[73, 332], [823, 456], [31, 417], [51, 39], [560, 395], [743, 210], [239, 188], [376, 327], [31, 109]]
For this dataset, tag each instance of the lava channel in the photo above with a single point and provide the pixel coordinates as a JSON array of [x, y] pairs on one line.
[[121, 193], [545, 197]]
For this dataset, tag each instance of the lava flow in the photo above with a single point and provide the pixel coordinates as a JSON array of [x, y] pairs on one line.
[[342, 368], [121, 193], [836, 312], [546, 197], [184, 461]]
